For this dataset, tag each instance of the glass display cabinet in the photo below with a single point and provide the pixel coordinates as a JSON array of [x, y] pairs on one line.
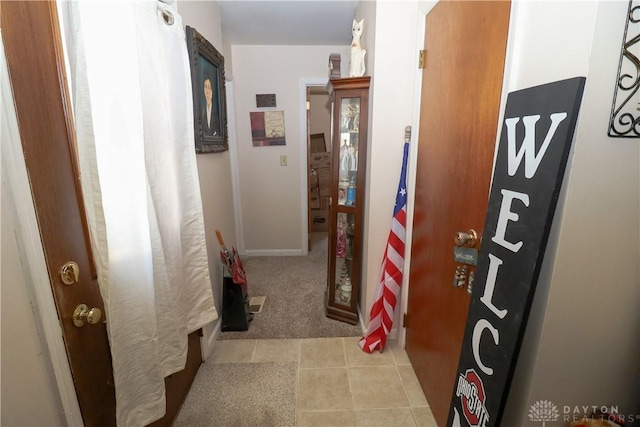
[[350, 102]]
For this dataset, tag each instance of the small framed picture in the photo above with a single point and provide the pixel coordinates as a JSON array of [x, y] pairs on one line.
[[209, 95]]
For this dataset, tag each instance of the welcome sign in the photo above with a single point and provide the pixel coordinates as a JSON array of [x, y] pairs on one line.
[[532, 156]]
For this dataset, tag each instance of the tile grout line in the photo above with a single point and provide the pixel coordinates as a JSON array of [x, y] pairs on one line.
[[346, 360], [253, 353], [404, 388], [295, 412]]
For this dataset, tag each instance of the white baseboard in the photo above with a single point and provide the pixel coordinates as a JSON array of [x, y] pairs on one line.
[[393, 334], [210, 334], [363, 327], [274, 252]]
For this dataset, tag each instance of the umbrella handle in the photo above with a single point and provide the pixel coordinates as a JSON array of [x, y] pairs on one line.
[[220, 239]]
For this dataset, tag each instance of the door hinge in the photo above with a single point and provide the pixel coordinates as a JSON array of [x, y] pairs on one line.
[[404, 320], [308, 106], [422, 59]]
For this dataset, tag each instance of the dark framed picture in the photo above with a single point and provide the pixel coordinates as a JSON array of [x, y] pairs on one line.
[[209, 96]]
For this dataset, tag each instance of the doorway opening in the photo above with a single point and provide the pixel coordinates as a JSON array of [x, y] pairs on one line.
[[318, 163]]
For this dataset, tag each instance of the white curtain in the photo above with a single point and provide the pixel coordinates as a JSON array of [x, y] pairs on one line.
[[134, 120]]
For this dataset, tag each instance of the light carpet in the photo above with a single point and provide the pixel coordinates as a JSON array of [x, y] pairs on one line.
[[294, 287], [233, 395]]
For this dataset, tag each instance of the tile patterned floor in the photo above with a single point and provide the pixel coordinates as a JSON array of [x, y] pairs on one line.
[[339, 384]]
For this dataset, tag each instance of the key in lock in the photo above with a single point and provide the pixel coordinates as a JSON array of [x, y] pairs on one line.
[[460, 277]]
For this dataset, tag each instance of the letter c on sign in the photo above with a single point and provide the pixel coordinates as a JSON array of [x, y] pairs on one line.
[[481, 325]]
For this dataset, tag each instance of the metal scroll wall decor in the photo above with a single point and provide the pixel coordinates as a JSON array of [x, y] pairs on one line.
[[625, 111]]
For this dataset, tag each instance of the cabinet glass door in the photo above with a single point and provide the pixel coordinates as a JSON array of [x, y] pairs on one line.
[[344, 280], [348, 158]]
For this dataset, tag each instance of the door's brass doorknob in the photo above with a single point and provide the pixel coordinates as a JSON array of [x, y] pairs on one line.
[[83, 314], [468, 239]]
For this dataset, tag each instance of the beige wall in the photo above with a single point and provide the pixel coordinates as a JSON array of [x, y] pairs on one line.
[[214, 169], [271, 195], [393, 64], [581, 345], [29, 392]]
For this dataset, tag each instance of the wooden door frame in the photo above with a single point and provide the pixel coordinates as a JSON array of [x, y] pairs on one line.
[[40, 288], [421, 16]]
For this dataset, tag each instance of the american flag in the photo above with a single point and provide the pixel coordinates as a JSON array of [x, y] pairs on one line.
[[392, 268]]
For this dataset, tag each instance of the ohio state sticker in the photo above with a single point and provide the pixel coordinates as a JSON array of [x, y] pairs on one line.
[[470, 390]]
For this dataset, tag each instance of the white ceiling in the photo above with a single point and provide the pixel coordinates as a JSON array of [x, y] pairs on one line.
[[292, 22]]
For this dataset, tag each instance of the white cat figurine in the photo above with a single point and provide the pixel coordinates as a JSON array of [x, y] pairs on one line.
[[356, 63]]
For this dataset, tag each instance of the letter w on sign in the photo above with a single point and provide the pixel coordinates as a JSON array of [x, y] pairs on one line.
[[537, 131], [528, 149]]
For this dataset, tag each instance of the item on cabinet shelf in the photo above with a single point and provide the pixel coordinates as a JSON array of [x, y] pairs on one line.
[[349, 160], [343, 186], [343, 153], [345, 291], [354, 118], [342, 195], [356, 63], [344, 273], [350, 234], [351, 194], [350, 117], [341, 251]]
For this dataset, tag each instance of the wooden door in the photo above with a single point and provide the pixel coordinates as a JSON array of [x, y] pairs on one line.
[[48, 140], [32, 44], [465, 45]]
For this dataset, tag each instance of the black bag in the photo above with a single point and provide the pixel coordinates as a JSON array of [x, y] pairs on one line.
[[235, 306]]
